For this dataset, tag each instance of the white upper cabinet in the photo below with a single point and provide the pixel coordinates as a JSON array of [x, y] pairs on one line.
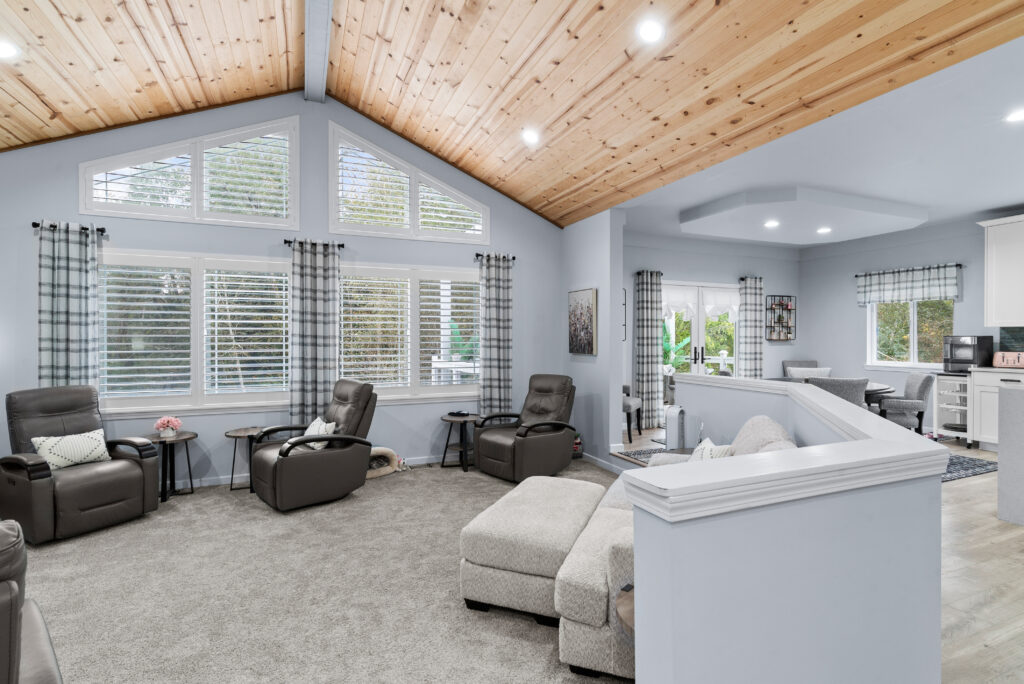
[[1004, 272]]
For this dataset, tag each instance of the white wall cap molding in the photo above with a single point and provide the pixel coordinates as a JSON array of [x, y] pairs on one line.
[[879, 452]]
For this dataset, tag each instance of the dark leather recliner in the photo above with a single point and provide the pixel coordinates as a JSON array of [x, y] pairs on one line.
[[539, 442], [26, 652], [56, 504], [288, 475]]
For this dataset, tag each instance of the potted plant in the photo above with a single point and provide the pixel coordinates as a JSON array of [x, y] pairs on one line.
[[167, 426]]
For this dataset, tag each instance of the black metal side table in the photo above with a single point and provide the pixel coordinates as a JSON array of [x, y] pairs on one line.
[[167, 445], [463, 445], [249, 434]]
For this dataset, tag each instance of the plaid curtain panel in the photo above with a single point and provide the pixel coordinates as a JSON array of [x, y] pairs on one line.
[[908, 284], [495, 334], [314, 328], [750, 329], [647, 348], [68, 305]]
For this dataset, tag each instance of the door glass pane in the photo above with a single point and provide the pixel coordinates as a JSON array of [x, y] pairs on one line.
[[934, 320], [892, 331], [675, 343], [719, 345]]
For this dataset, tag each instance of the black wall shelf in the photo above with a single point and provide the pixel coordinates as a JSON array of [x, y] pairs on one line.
[[780, 318]]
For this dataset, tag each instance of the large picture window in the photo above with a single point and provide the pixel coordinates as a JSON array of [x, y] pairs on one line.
[[375, 193], [247, 176], [908, 333], [412, 332], [192, 331]]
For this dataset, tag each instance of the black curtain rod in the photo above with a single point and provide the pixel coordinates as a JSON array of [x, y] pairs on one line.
[[480, 255], [893, 270], [290, 242], [53, 226]]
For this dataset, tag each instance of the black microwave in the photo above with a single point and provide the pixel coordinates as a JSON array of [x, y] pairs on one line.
[[960, 354]]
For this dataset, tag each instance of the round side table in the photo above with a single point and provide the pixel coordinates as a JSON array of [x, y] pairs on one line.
[[167, 445], [463, 445], [249, 434]]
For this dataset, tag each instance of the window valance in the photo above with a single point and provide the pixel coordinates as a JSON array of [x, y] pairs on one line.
[[685, 299], [908, 284]]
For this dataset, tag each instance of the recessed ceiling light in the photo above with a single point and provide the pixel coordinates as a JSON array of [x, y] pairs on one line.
[[771, 223], [824, 230], [530, 136], [8, 50], [1015, 116], [650, 31]]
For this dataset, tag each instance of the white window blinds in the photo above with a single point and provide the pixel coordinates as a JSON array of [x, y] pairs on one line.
[[248, 177], [449, 332], [145, 346], [370, 191], [440, 213], [375, 330], [165, 184], [245, 331]]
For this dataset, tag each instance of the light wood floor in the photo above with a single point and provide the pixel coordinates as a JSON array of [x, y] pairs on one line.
[[982, 578]]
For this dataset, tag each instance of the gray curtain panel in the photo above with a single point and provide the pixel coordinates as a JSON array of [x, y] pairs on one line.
[[908, 284], [68, 305], [647, 347], [750, 329], [495, 334], [314, 327]]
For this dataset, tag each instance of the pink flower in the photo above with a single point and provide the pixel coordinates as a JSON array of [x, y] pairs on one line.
[[168, 422]]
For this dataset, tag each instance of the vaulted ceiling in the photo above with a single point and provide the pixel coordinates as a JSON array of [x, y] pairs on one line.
[[463, 78]]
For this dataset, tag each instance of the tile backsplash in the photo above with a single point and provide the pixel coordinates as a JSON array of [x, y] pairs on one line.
[[1011, 339]]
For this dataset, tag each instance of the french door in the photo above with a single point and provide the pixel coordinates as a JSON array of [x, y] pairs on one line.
[[699, 331]]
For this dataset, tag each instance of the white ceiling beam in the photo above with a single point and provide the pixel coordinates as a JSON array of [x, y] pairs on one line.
[[318, 47]]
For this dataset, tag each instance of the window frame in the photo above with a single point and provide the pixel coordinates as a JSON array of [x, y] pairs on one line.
[[338, 134], [415, 392], [195, 147], [197, 400], [872, 342]]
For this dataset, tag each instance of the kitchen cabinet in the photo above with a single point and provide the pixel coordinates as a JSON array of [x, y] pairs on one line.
[[1004, 277], [983, 412]]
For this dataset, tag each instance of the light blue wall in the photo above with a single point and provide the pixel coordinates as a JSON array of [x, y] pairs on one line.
[[42, 181], [834, 328], [710, 261]]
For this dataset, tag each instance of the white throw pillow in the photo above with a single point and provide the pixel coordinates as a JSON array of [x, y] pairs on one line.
[[756, 433], [319, 427], [804, 373], [707, 450], [69, 450]]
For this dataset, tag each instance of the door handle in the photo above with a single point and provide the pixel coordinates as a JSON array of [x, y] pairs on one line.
[[1009, 380], [702, 356]]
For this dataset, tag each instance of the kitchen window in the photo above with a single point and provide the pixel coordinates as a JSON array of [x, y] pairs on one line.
[[908, 334]]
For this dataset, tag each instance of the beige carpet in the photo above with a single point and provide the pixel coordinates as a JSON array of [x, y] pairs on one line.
[[217, 587]]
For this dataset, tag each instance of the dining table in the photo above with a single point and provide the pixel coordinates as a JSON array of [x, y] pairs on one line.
[[873, 391]]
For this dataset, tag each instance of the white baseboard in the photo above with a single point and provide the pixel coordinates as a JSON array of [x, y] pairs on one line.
[[606, 465], [424, 460], [618, 447]]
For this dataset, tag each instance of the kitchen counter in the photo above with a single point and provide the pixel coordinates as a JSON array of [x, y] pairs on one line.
[[993, 369]]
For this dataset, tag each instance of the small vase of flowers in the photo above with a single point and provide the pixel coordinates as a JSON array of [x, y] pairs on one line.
[[168, 426]]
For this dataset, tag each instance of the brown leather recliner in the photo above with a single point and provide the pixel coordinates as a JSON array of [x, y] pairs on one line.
[[539, 442], [56, 504], [288, 475], [26, 652]]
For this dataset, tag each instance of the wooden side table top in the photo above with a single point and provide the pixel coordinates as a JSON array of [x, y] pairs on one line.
[[238, 433], [179, 436], [460, 419]]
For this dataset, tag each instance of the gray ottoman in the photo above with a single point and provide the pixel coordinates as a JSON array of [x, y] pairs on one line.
[[512, 551]]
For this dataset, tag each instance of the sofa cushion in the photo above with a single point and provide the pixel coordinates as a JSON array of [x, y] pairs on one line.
[[70, 450], [581, 586], [757, 432], [777, 446], [532, 528]]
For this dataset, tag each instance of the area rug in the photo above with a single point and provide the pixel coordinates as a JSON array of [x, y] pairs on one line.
[[967, 466], [641, 455]]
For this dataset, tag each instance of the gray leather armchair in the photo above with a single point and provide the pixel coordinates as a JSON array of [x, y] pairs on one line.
[[26, 652], [56, 504], [538, 442], [288, 475], [908, 410]]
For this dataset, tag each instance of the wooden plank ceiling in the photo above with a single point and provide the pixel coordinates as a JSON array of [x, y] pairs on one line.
[[92, 64], [618, 118], [462, 78]]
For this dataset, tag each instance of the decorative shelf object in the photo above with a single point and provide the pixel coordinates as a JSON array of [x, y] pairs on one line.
[[780, 318]]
